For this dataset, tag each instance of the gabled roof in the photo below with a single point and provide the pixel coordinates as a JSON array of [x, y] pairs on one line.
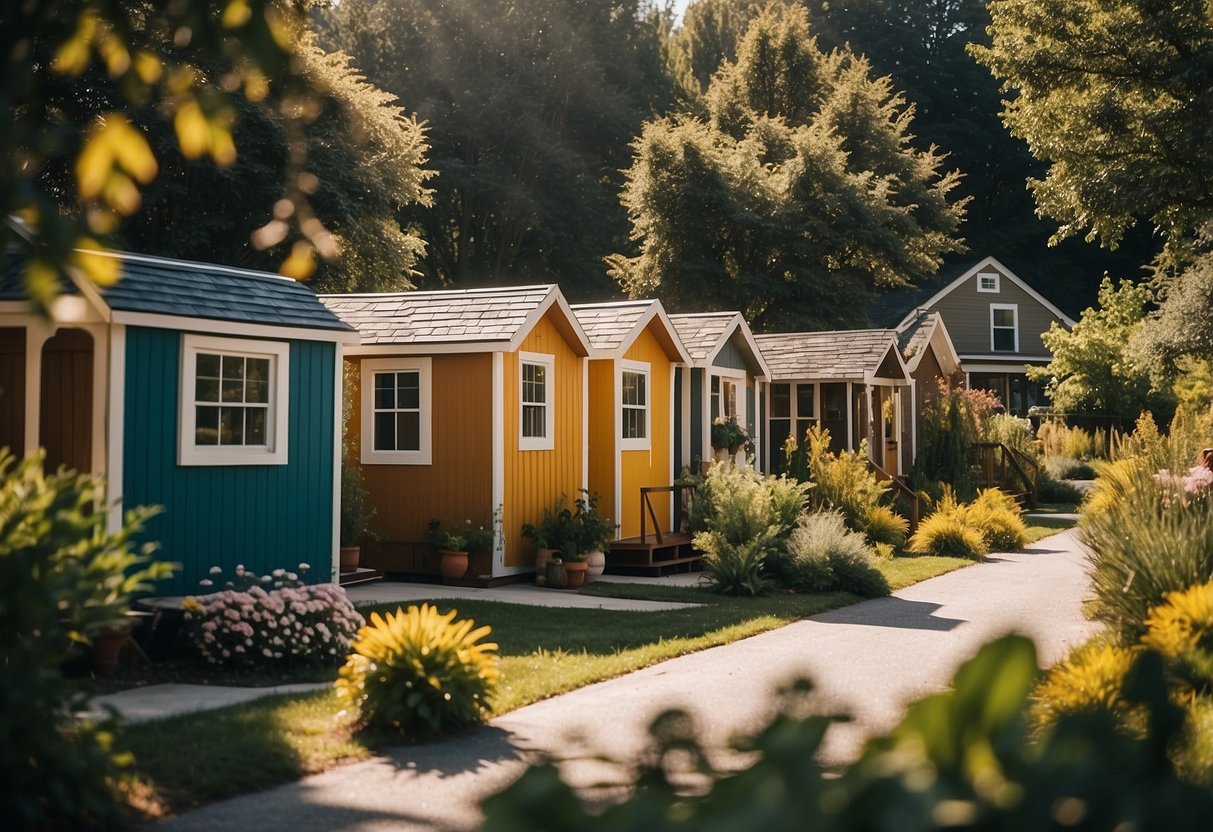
[[180, 288], [841, 355], [454, 320], [896, 308], [704, 335], [926, 329], [612, 327]]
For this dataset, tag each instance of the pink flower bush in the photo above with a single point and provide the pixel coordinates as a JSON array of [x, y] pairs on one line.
[[1195, 484], [272, 621]]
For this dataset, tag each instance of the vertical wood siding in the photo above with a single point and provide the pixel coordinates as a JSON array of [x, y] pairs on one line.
[[535, 479], [65, 426], [261, 516], [698, 452], [458, 484], [12, 390], [603, 442], [649, 468]]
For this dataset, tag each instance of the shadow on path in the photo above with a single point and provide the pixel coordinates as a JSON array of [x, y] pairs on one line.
[[891, 612], [469, 753]]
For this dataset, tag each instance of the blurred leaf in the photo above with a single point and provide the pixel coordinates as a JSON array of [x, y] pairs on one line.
[[192, 129], [101, 270], [301, 262], [73, 56]]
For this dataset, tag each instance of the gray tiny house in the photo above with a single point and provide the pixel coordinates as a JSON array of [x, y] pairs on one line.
[[211, 391]]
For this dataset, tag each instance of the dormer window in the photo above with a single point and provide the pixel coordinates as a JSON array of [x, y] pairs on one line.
[[988, 282]]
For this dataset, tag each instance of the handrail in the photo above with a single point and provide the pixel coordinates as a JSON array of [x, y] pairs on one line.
[[647, 510], [905, 490], [1016, 460]]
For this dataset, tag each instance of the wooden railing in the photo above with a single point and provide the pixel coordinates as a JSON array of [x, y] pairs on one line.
[[1009, 469], [902, 489], [648, 512]]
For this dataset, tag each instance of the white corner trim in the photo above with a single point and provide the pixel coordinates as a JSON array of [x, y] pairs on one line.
[[274, 452], [644, 369], [498, 567], [338, 438], [585, 423], [546, 442], [423, 368], [116, 426], [617, 457]]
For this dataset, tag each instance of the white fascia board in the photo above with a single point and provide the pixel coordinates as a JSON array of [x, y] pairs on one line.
[[234, 328], [556, 298], [424, 348], [738, 324]]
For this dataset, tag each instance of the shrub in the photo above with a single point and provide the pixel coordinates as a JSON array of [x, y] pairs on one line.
[[953, 418], [1065, 468], [419, 672], [63, 578], [1181, 628], [739, 519], [998, 518], [1049, 489], [1089, 680], [823, 554], [273, 619], [1059, 439], [842, 481], [884, 525], [1011, 431], [946, 534]]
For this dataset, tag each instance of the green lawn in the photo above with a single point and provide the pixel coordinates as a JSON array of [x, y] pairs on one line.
[[544, 652]]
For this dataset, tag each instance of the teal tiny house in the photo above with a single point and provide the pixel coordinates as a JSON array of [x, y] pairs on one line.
[[210, 391]]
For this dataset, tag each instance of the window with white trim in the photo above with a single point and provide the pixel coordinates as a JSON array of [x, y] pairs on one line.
[[396, 411], [535, 414], [987, 282], [793, 412], [635, 405], [724, 398], [1004, 327], [233, 401]]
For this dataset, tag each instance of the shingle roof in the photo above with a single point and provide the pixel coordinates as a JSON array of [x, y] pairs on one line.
[[916, 333], [701, 332], [842, 355], [160, 286], [448, 316], [607, 324]]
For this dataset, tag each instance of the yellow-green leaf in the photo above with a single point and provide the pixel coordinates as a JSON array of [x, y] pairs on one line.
[[236, 14], [192, 129], [89, 257], [301, 263], [73, 56]]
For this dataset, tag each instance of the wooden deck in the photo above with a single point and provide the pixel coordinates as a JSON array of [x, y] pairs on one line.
[[674, 553]]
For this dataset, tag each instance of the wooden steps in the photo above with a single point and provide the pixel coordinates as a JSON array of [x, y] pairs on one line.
[[646, 554], [359, 575]]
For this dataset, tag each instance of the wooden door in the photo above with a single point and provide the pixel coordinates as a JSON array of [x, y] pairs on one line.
[[66, 412], [12, 390]]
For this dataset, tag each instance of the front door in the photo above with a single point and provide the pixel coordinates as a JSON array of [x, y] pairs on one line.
[[65, 426]]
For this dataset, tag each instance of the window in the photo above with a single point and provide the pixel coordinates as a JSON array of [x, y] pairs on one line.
[[396, 411], [1004, 327], [535, 423], [792, 413], [233, 401], [635, 404], [724, 398], [987, 282]]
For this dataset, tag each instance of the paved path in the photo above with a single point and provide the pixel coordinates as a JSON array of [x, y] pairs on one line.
[[871, 659], [523, 593]]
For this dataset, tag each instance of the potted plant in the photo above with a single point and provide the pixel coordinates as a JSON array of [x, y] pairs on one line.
[[356, 512], [458, 546], [594, 533], [545, 537], [728, 435]]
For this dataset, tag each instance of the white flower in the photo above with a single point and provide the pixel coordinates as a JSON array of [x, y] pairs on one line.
[[215, 570]]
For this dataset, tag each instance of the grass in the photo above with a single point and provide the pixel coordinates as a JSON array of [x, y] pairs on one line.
[[543, 653]]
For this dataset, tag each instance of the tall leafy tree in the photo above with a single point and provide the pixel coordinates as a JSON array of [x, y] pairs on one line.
[[530, 105], [797, 195]]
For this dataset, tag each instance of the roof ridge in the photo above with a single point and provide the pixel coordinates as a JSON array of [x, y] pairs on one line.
[[484, 290], [704, 314], [617, 303], [180, 264]]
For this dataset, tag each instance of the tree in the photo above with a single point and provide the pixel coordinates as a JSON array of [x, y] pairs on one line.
[[530, 105], [1115, 96], [795, 196], [708, 36], [1182, 328], [149, 50], [1092, 370]]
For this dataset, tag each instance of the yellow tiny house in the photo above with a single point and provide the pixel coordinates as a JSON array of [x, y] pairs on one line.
[[466, 405], [634, 350]]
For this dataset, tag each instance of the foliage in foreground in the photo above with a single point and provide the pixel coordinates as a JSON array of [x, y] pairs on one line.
[[961, 759], [63, 579], [420, 672]]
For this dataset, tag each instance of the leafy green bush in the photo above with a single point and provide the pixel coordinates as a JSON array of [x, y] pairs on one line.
[[947, 534], [1060, 440], [63, 579], [419, 672], [1049, 489], [883, 525], [823, 554], [1066, 468], [961, 759], [999, 520], [954, 418], [1010, 430], [1181, 629], [842, 481], [739, 519]]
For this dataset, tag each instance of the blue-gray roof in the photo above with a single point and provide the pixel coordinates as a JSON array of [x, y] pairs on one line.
[[160, 286]]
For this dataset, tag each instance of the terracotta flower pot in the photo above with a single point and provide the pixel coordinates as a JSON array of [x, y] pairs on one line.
[[105, 648], [454, 565], [350, 555], [577, 570], [542, 556]]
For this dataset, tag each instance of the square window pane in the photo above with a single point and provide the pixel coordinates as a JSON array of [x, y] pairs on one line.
[[207, 365], [257, 392], [534, 422], [408, 390], [804, 400], [1004, 340], [385, 391], [1004, 317], [206, 426], [781, 400], [640, 391], [206, 389], [233, 366], [408, 431], [231, 426], [779, 434], [254, 425], [385, 431], [257, 369], [802, 427], [633, 423], [233, 390]]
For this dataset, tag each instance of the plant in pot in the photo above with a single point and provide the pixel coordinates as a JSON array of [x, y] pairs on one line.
[[356, 512], [594, 533], [728, 435], [546, 537], [458, 545]]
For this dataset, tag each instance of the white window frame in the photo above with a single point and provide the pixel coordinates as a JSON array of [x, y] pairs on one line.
[[274, 452], [992, 289], [644, 369], [735, 377], [421, 366], [1014, 309], [548, 441]]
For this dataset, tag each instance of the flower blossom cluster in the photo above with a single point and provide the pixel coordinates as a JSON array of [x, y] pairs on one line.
[[282, 622], [1198, 482]]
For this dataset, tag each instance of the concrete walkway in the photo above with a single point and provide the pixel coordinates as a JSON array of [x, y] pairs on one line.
[[384, 592], [870, 659], [160, 701]]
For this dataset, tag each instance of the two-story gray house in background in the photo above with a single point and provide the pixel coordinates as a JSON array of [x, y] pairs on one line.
[[995, 320]]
